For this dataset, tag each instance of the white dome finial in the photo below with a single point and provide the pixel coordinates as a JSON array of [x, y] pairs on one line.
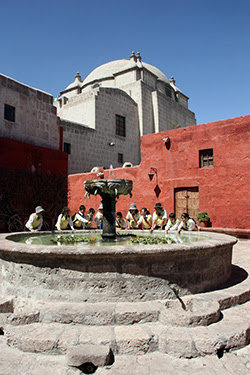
[[132, 56]]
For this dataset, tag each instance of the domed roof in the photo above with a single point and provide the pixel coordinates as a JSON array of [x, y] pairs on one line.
[[112, 68]]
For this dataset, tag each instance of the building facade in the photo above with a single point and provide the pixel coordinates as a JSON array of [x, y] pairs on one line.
[[33, 168], [28, 115], [104, 115], [197, 168]]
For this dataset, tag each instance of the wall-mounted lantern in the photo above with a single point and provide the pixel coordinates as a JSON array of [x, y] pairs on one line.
[[152, 172]]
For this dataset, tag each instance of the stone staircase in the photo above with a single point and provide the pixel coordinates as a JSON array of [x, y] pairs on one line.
[[188, 327]]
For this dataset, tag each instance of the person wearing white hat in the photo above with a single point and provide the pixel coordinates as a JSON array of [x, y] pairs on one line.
[[99, 217], [35, 221], [133, 216]]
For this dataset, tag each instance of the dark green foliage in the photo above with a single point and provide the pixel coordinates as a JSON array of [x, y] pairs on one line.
[[203, 216], [151, 240]]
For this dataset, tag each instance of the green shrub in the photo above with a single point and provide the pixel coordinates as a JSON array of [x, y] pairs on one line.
[[203, 216]]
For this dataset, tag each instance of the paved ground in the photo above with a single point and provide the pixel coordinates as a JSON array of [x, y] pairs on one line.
[[15, 362]]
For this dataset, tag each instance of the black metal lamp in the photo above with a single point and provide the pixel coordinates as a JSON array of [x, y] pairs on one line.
[[152, 172]]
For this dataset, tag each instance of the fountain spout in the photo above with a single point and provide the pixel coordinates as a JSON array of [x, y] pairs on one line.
[[109, 190]]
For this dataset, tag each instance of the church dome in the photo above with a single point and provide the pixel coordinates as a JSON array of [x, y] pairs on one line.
[[110, 69]]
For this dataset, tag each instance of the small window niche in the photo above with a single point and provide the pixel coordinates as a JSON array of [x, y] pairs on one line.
[[120, 158], [120, 125], [9, 113], [67, 148], [206, 158]]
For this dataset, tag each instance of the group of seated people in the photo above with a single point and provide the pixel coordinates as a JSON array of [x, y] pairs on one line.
[[80, 220], [159, 220], [135, 219]]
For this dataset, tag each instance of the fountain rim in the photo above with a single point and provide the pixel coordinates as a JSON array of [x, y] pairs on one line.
[[11, 247]]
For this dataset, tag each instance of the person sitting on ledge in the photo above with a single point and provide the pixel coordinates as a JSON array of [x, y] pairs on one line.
[[120, 223], [35, 221], [159, 217], [99, 217], [64, 220], [172, 223], [145, 221], [133, 216], [90, 218], [187, 223], [78, 218]]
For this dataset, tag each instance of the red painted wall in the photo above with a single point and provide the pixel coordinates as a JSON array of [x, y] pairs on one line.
[[19, 155], [223, 189], [30, 176]]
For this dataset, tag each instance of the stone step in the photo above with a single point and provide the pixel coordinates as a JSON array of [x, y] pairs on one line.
[[55, 338], [124, 313], [231, 332], [6, 304], [192, 310]]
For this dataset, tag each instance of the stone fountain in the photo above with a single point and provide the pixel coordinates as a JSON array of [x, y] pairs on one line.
[[123, 299], [109, 190]]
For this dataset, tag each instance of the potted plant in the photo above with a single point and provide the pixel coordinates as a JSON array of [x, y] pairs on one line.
[[203, 218]]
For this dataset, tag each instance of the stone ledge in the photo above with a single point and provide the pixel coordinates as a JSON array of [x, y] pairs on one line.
[[99, 355]]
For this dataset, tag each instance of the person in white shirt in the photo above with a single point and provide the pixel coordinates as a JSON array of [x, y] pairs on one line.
[[35, 221], [145, 220], [120, 223], [187, 223], [132, 216], [159, 217], [172, 223], [64, 220], [99, 217], [90, 218], [78, 218]]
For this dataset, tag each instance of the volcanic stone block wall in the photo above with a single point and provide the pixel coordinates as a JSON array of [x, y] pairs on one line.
[[91, 147], [35, 120], [118, 273]]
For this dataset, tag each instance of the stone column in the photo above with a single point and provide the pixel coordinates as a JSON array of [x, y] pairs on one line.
[[109, 203]]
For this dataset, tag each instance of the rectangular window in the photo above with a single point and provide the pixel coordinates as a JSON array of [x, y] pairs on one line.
[[120, 158], [168, 91], [120, 126], [9, 113], [206, 158], [67, 147]]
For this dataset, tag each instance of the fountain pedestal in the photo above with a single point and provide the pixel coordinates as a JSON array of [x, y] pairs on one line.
[[108, 229], [109, 190]]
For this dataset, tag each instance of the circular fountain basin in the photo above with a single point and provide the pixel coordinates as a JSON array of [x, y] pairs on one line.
[[114, 273], [112, 187]]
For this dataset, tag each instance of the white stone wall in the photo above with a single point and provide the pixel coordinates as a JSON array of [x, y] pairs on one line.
[[136, 94], [172, 115], [79, 108], [149, 79], [36, 121], [90, 147], [125, 78]]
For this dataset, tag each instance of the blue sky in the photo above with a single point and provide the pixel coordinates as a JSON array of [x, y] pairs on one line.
[[204, 44]]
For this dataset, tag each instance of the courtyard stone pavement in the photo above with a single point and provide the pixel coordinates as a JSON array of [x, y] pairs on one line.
[[16, 362]]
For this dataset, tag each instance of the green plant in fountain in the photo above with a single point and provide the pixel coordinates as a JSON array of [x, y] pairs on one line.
[[203, 216], [72, 240], [149, 240]]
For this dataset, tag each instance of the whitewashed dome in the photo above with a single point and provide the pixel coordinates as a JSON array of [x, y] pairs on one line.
[[110, 69]]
